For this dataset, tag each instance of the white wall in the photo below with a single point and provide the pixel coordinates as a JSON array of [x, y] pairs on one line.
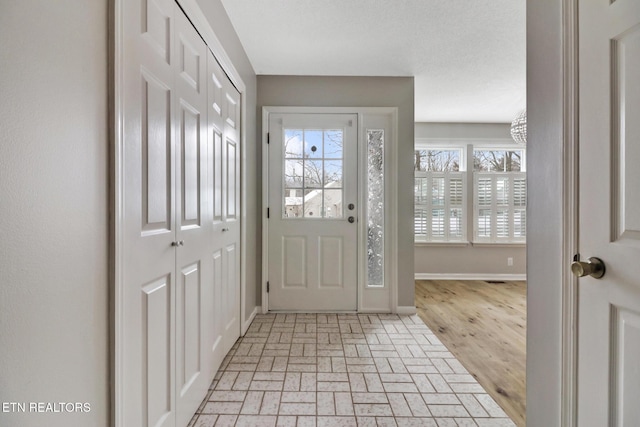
[[54, 319], [54, 204], [544, 212], [219, 21], [457, 131], [362, 92], [471, 261]]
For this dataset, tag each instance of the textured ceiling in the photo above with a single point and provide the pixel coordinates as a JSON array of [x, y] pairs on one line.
[[467, 56]]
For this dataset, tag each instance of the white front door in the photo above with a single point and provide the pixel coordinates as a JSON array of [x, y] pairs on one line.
[[312, 222], [609, 224]]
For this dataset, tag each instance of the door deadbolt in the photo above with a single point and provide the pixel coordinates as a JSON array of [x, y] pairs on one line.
[[351, 206], [593, 267], [352, 219]]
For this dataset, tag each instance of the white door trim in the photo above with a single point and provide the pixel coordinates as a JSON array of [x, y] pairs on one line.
[[392, 201], [570, 182], [116, 226], [552, 52]]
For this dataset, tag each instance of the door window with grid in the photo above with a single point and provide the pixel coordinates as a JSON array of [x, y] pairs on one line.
[[313, 173]]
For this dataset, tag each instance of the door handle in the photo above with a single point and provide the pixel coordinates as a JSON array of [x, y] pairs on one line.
[[593, 267], [224, 229], [352, 219], [178, 243]]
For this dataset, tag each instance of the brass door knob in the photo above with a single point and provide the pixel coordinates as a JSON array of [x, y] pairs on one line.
[[593, 267]]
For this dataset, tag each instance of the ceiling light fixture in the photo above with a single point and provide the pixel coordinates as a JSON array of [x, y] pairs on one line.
[[519, 128]]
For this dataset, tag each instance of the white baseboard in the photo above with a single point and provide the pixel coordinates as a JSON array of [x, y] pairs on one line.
[[472, 276], [406, 310], [247, 323]]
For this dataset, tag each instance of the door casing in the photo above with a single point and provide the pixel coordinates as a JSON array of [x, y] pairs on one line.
[[570, 186], [391, 200], [552, 51]]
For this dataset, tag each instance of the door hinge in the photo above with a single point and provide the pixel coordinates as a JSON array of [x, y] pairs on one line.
[[267, 213], [267, 287], [268, 137]]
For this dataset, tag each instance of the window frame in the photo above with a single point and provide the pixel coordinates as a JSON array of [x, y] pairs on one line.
[[509, 207], [498, 147], [461, 148], [425, 239], [466, 148]]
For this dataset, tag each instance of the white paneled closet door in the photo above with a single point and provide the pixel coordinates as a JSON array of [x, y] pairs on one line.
[[227, 235], [225, 183], [147, 365], [194, 290], [180, 299]]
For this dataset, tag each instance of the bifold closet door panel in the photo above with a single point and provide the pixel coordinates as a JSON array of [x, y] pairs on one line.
[[224, 113], [194, 290], [215, 130], [230, 240], [146, 302]]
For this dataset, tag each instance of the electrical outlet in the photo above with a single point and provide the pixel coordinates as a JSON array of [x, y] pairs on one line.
[[509, 262]]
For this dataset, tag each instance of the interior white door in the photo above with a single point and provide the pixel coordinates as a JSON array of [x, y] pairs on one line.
[[180, 299], [147, 364], [224, 130], [609, 308], [194, 299], [312, 212]]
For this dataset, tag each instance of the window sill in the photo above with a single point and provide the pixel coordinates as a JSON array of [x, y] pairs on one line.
[[500, 244], [475, 244], [442, 244]]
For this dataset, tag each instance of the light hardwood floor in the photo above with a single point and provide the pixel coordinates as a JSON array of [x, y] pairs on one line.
[[484, 326]]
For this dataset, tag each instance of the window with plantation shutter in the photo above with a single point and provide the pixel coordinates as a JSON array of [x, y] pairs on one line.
[[500, 186], [439, 196], [491, 202]]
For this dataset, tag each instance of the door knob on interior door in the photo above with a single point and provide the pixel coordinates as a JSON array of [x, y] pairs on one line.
[[593, 267], [352, 219]]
